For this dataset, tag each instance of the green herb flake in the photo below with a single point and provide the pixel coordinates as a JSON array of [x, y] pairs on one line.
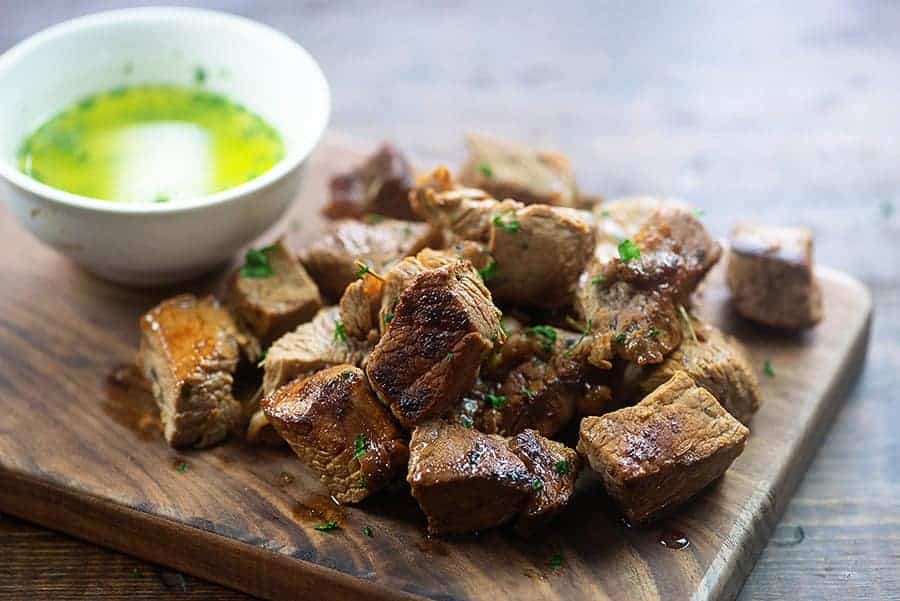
[[509, 224], [262, 358], [359, 446], [598, 278], [767, 368], [340, 332], [698, 213], [488, 272], [536, 484], [200, 76], [504, 329], [373, 218], [363, 482], [326, 526], [388, 316], [525, 392], [556, 561], [181, 467], [486, 170], [466, 421], [367, 531], [653, 333], [256, 263], [363, 269], [628, 250], [561, 467], [620, 338], [136, 573], [604, 213], [546, 334], [497, 401]]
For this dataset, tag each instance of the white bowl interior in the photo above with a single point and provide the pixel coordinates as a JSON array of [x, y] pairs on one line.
[[249, 63]]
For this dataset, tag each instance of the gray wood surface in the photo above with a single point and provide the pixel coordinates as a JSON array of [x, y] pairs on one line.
[[782, 112]]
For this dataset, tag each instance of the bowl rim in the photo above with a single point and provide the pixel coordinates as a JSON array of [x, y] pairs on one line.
[[113, 17]]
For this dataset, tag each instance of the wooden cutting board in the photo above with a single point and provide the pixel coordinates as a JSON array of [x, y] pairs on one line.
[[81, 452]]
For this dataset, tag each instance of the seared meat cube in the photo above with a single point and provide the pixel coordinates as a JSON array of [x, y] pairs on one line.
[[632, 301], [621, 218], [539, 251], [360, 305], [508, 170], [664, 450], [443, 326], [189, 350], [338, 428], [554, 468], [317, 344], [770, 274], [333, 261], [714, 361], [465, 480], [270, 306], [380, 185]]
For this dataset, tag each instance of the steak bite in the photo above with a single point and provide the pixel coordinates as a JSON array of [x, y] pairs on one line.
[[554, 468], [360, 305], [443, 326], [268, 306], [189, 351], [338, 429], [508, 170], [633, 301], [380, 185], [333, 261], [664, 450], [314, 345], [714, 361], [464, 480], [623, 217], [770, 274], [539, 251]]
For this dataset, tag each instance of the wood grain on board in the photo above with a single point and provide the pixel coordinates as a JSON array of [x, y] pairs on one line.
[[81, 452]]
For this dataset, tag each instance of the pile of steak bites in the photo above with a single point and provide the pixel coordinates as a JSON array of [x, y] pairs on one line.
[[451, 329]]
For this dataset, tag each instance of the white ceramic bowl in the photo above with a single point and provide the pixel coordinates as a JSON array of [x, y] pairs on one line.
[[147, 243]]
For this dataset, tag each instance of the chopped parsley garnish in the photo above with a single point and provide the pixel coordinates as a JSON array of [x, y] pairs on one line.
[[367, 531], [340, 333], [497, 401], [486, 170], [488, 272], [556, 561], [537, 484], [256, 263], [388, 316], [598, 278], [262, 358], [561, 467], [363, 269], [181, 466], [466, 421], [199, 75], [767, 368], [510, 224], [504, 329], [653, 332], [546, 334], [373, 218], [628, 250], [604, 213], [588, 326], [448, 356], [528, 394], [699, 213], [363, 482], [359, 446], [620, 338], [325, 526]]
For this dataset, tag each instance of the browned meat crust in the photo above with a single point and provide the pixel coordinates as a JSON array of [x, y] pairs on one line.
[[771, 278], [268, 307], [339, 430], [442, 327], [189, 351], [554, 468], [333, 260], [664, 450], [380, 185], [509, 170], [465, 480]]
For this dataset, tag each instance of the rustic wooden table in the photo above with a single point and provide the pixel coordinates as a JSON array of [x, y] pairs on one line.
[[784, 114]]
